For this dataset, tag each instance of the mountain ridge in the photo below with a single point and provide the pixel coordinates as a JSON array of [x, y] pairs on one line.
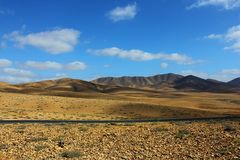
[[176, 81], [166, 82]]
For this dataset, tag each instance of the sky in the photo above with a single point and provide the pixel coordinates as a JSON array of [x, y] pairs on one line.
[[86, 40]]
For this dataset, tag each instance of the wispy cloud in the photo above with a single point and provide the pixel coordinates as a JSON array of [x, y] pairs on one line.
[[232, 37], [139, 55], [60, 75], [221, 76], [231, 71], [18, 72], [195, 73], [225, 4], [213, 36], [51, 65], [75, 66], [54, 41], [14, 80], [47, 65], [5, 63], [164, 65], [123, 13]]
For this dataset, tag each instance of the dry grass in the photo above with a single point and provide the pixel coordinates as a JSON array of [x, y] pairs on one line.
[[118, 105]]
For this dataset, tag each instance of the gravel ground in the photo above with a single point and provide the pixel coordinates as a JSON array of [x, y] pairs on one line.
[[180, 140]]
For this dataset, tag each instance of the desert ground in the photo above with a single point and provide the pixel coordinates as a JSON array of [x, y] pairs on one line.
[[119, 105], [142, 141]]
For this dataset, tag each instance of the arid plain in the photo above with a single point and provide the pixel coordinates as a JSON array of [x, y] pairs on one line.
[[119, 105], [68, 99]]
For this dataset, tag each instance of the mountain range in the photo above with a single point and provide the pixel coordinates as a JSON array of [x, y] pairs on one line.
[[172, 81], [159, 82]]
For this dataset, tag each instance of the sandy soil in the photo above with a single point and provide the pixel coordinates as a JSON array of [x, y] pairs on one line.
[[119, 105], [146, 141]]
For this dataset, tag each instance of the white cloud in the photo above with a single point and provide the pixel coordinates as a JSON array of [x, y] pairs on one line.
[[5, 63], [55, 41], [123, 13], [226, 4], [231, 71], [17, 72], [138, 55], [221, 76], [15, 80], [61, 75], [44, 65], [214, 36], [164, 65], [51, 65], [76, 66], [232, 36], [198, 74]]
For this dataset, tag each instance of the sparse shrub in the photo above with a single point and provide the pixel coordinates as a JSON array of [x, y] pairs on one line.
[[3, 146], [222, 151], [20, 129], [127, 124], [113, 124], [228, 128], [40, 147], [160, 129], [62, 124], [225, 150], [48, 124], [60, 138], [182, 134], [70, 154], [179, 123], [37, 139], [237, 141], [92, 125], [83, 129]]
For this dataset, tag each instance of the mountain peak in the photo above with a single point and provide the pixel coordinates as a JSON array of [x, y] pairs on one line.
[[235, 82]]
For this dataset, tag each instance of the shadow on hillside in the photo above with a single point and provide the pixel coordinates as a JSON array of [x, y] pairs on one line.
[[148, 111]]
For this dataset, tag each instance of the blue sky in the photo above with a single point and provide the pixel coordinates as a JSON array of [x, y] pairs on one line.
[[88, 39]]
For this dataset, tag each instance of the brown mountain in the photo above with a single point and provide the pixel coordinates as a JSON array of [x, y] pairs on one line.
[[169, 81], [154, 82], [65, 84], [62, 87], [178, 82], [8, 87], [235, 82], [198, 84]]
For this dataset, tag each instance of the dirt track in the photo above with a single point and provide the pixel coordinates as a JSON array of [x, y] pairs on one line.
[[119, 121]]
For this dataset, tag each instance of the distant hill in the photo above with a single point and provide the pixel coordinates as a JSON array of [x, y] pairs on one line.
[[136, 82], [178, 82], [235, 82], [65, 84], [104, 85], [8, 87], [198, 84]]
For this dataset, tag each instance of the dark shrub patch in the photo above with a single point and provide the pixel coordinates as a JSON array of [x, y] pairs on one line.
[[71, 154], [182, 134]]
